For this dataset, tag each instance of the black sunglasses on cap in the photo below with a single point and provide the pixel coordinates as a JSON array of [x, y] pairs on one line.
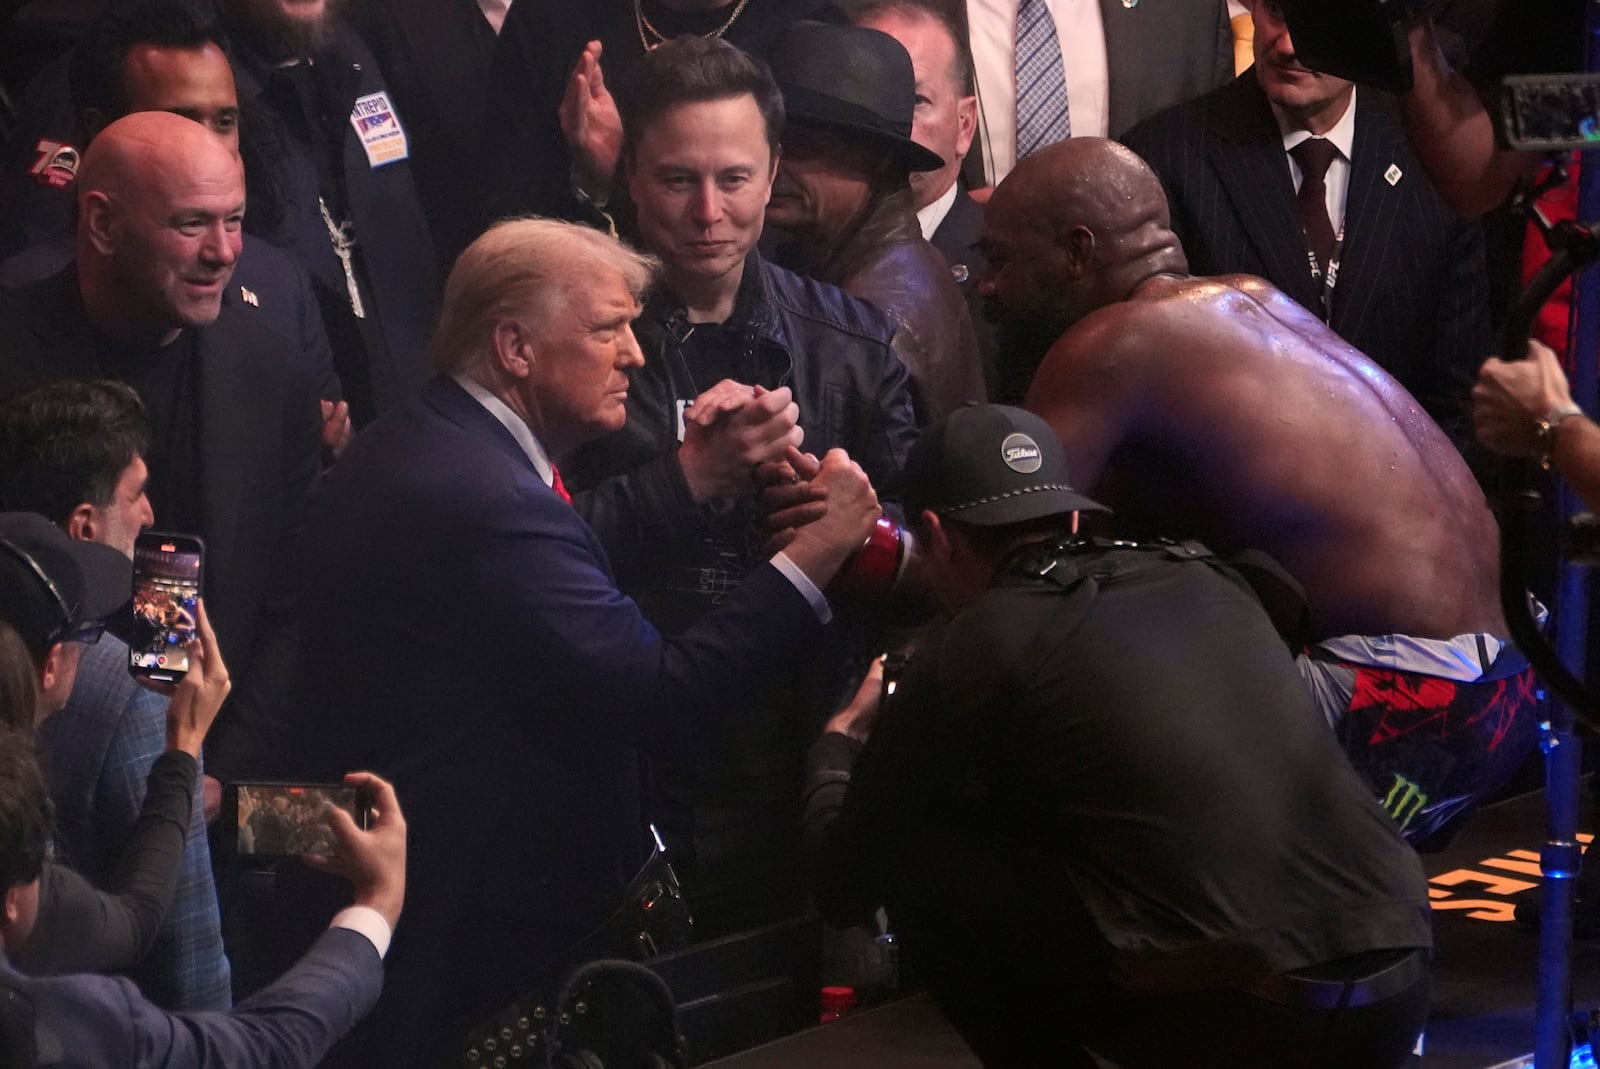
[[71, 629]]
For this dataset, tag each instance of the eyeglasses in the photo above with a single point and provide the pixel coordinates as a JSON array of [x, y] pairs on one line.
[[71, 629]]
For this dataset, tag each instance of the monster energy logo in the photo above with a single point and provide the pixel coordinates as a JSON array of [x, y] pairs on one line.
[[1405, 801]]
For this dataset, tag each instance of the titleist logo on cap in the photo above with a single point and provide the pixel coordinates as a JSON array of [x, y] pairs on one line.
[[1021, 454]]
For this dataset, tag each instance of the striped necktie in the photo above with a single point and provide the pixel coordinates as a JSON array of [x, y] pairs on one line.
[[1042, 117]]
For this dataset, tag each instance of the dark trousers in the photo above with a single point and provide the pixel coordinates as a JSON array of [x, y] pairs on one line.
[[1015, 963]]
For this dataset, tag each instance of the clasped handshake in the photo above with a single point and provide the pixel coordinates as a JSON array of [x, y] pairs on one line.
[[743, 443]]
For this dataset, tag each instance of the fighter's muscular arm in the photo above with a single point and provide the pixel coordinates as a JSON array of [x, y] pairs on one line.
[[1086, 385]]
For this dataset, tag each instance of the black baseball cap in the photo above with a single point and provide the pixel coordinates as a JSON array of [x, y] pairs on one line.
[[991, 465], [54, 586]]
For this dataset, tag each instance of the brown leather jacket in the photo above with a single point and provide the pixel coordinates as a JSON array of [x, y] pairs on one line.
[[885, 260]]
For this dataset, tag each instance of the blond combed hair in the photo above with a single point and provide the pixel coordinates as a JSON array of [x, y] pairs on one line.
[[522, 269]]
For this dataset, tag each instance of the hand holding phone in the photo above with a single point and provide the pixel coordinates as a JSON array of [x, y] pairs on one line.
[[166, 594], [372, 855], [195, 701]]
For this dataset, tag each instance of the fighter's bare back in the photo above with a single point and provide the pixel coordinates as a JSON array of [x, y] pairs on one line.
[[1219, 409]]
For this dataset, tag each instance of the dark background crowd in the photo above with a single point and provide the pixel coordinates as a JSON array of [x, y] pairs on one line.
[[1001, 479]]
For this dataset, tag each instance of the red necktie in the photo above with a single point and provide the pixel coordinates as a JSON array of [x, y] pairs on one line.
[[557, 485]]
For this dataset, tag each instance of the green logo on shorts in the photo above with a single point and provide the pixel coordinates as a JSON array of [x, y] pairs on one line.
[[1405, 801]]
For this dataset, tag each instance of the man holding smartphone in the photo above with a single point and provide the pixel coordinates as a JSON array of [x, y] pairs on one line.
[[74, 452], [91, 1021]]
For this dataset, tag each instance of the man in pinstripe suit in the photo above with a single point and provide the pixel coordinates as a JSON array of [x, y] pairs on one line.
[[1220, 410], [1405, 282]]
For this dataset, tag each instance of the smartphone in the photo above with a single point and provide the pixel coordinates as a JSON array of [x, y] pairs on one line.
[[284, 819], [1551, 112], [167, 570]]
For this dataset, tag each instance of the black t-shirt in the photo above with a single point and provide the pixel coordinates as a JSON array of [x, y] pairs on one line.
[[167, 379]]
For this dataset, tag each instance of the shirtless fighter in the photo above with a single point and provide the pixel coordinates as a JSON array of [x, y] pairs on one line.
[[1219, 409]]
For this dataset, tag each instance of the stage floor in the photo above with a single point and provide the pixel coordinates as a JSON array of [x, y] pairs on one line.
[[1485, 967]]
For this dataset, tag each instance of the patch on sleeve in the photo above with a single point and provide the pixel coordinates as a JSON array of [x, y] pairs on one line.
[[55, 164], [378, 126]]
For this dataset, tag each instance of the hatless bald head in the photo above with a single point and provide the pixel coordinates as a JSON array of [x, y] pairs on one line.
[[160, 204], [1074, 227]]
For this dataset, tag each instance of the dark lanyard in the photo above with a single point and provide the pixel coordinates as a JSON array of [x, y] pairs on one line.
[[1330, 277]]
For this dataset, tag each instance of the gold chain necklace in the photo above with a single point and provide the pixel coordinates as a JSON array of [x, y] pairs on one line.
[[646, 31]]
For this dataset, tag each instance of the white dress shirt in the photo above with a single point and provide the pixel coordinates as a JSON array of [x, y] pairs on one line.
[[1343, 136], [992, 27], [930, 217], [364, 920], [495, 11], [515, 424]]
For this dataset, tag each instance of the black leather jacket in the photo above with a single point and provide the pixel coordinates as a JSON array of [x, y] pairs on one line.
[[834, 351]]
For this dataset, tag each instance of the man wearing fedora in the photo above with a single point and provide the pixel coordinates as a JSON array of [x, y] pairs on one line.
[[736, 352], [843, 195], [1100, 808]]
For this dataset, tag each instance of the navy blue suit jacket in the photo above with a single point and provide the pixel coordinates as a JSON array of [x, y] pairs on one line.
[[95, 1021], [1412, 287], [465, 638]]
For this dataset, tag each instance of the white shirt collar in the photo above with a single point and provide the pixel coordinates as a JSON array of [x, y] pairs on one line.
[[1343, 134], [513, 423], [930, 217], [495, 12]]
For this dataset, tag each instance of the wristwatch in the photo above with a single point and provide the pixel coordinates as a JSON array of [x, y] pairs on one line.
[[1544, 431]]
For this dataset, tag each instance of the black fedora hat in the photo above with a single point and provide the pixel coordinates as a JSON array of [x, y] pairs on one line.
[[851, 78]]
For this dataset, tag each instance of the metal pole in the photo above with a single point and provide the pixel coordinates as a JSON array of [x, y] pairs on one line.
[[1563, 757]]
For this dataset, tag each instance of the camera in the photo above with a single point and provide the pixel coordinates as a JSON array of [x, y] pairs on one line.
[[1365, 41], [1362, 41]]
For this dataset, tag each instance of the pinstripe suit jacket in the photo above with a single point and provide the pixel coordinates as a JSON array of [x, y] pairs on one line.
[[1412, 287]]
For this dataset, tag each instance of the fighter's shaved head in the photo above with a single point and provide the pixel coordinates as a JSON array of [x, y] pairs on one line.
[[1100, 185], [1074, 227], [160, 201]]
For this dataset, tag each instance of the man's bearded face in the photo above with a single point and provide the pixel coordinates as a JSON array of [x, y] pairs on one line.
[[288, 27]]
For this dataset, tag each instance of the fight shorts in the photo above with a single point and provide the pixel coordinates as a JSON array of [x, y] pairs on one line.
[[1434, 726]]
